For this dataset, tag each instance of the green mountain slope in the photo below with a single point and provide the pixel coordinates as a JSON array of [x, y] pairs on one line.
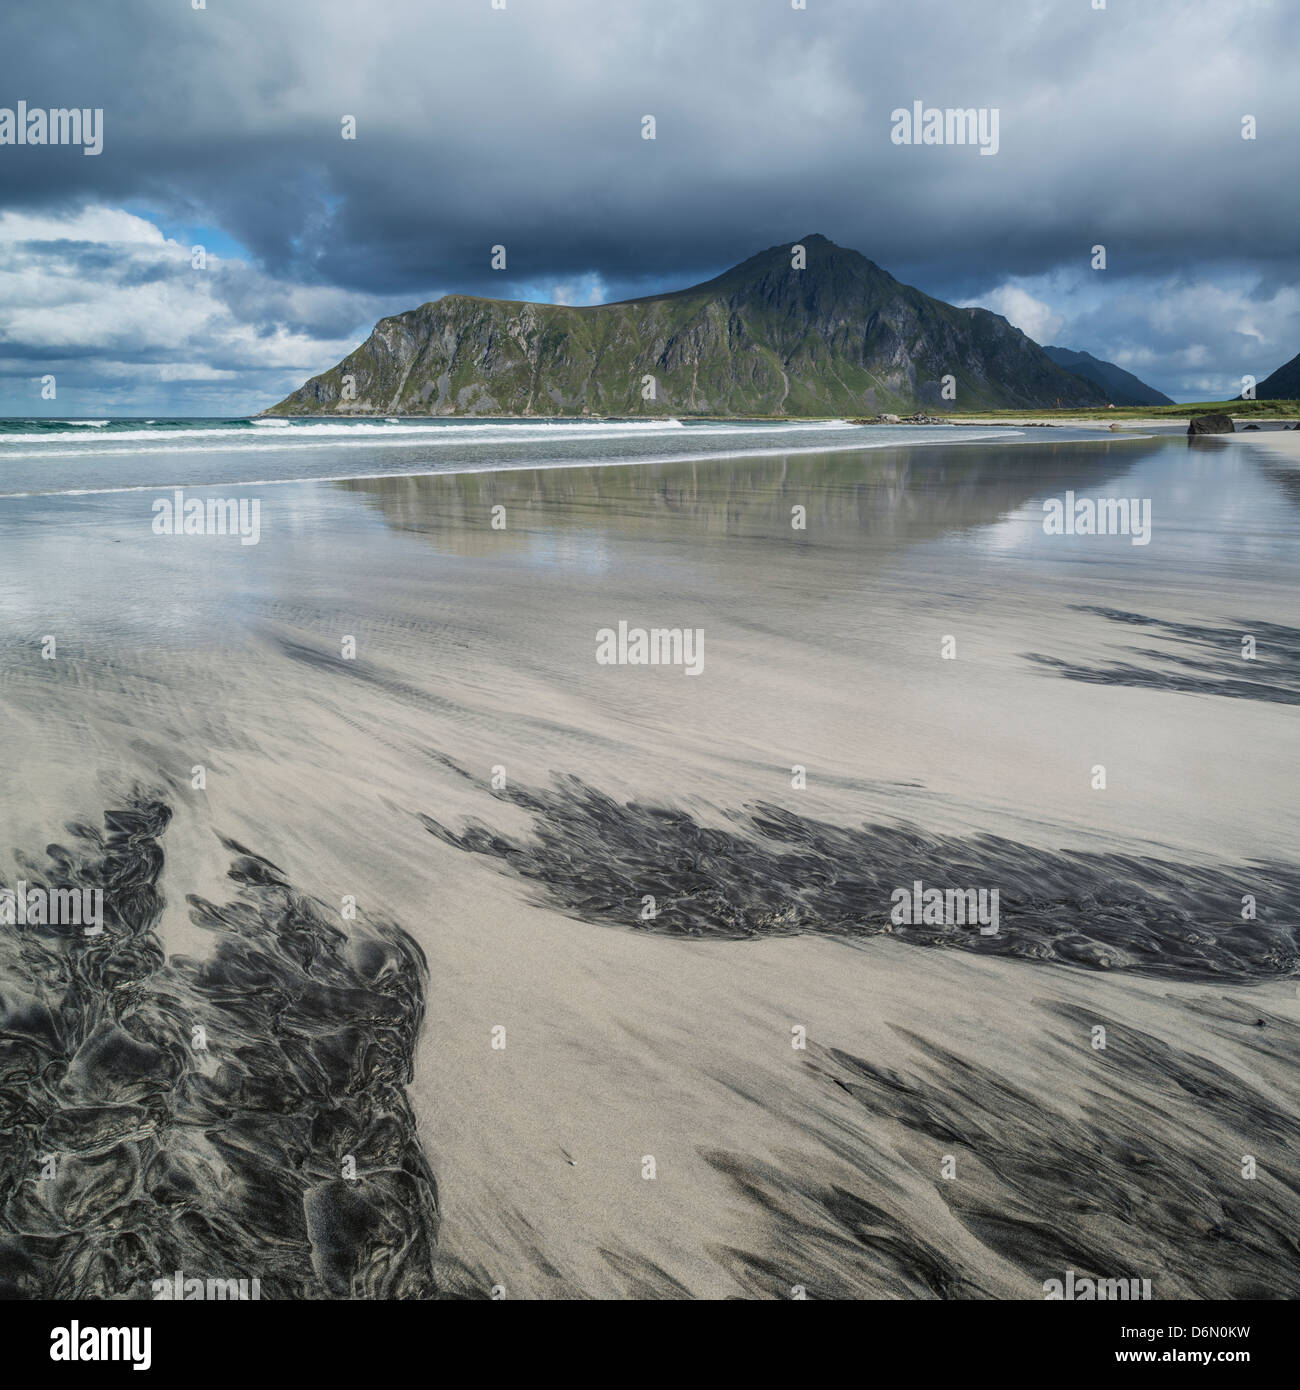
[[840, 336]]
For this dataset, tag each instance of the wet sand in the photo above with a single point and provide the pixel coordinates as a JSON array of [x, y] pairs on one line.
[[775, 1168]]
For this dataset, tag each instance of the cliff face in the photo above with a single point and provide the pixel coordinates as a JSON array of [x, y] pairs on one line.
[[840, 336]]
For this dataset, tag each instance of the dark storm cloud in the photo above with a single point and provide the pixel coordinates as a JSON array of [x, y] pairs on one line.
[[521, 126]]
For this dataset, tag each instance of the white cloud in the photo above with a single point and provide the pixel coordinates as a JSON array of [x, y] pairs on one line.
[[1191, 336], [109, 226], [105, 300], [1031, 316]]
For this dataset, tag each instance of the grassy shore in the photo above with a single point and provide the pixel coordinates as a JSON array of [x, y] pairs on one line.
[[1260, 410]]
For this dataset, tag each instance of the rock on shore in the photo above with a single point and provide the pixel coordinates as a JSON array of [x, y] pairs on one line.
[[1211, 424]]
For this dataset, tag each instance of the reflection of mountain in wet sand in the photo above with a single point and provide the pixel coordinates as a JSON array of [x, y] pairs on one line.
[[890, 494]]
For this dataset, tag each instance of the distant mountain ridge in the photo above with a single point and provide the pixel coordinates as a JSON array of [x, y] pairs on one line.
[[1121, 387], [839, 336], [1281, 385]]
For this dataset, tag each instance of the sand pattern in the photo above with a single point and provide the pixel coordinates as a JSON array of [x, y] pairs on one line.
[[1210, 661], [780, 873], [222, 1153], [1042, 1186]]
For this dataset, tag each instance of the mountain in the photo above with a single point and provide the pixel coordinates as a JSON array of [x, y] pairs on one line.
[[1121, 387], [840, 336], [1283, 385]]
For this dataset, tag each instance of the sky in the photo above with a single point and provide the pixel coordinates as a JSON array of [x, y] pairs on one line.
[[519, 123]]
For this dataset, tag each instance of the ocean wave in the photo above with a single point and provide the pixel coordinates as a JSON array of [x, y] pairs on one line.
[[307, 436], [34, 431], [442, 424], [441, 430], [55, 430]]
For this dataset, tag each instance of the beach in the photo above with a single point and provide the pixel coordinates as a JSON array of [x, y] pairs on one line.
[[766, 1087]]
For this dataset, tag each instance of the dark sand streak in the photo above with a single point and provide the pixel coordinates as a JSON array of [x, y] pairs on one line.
[[1214, 665], [785, 874], [1141, 1178], [1042, 1188], [224, 1163]]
